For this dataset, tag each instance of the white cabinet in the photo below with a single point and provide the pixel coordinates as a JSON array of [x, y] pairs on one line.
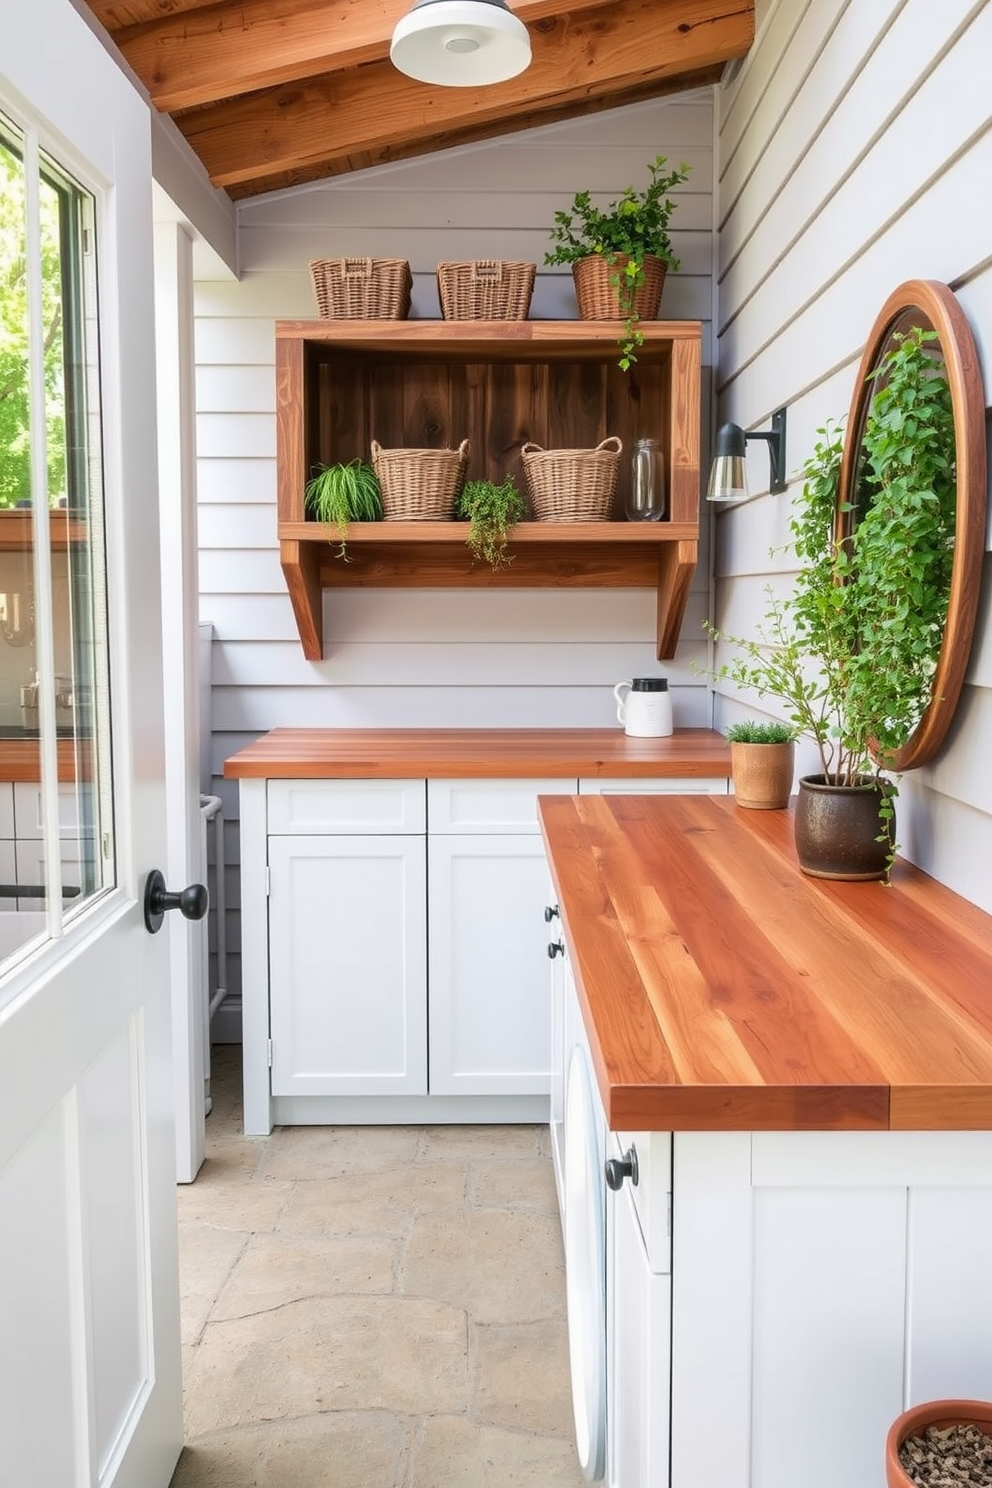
[[347, 944], [638, 1330], [490, 1015], [347, 937]]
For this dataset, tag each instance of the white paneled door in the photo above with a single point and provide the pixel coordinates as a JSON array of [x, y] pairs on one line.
[[90, 1393]]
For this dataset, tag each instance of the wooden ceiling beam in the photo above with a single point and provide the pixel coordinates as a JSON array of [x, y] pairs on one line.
[[450, 139], [220, 50], [600, 54]]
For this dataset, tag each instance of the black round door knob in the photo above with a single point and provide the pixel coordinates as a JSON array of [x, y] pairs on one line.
[[619, 1168], [550, 911], [555, 948], [191, 902]]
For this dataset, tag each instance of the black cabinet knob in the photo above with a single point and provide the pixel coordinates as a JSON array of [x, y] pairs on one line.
[[191, 902], [555, 948], [619, 1168], [550, 912]]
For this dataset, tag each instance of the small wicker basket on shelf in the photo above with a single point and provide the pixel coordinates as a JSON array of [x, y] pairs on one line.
[[485, 289], [362, 288], [572, 485], [419, 485], [598, 293]]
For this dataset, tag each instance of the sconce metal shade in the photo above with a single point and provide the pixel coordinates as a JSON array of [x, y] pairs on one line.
[[460, 43], [728, 473]]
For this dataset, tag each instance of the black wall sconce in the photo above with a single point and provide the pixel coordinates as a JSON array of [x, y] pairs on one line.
[[728, 473]]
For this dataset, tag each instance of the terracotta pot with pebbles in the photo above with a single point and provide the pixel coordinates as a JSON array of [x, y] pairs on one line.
[[942, 1444]]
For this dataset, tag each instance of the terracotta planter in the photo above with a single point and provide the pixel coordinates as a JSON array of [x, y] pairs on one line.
[[838, 829], [762, 774], [914, 1422], [597, 295]]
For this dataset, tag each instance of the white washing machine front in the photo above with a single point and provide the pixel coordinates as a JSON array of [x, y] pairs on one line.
[[585, 1261]]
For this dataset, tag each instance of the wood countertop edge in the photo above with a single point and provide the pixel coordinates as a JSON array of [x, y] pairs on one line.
[[600, 958], [363, 754]]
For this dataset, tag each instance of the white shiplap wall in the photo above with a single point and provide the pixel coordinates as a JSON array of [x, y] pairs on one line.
[[423, 657], [854, 152]]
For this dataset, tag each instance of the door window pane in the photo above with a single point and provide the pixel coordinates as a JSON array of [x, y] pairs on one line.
[[56, 840]]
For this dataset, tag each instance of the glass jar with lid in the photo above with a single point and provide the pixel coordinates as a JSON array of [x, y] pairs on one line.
[[646, 494]]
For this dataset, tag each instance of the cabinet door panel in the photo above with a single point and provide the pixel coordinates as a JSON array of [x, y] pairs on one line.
[[638, 1322], [490, 1016], [347, 956]]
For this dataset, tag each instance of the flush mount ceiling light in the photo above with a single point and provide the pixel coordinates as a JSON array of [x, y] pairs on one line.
[[728, 473], [460, 43]]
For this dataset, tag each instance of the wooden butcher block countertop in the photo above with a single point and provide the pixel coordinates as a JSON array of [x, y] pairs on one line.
[[396, 754], [722, 989]]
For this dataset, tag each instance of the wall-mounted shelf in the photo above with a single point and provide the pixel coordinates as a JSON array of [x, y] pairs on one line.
[[339, 384]]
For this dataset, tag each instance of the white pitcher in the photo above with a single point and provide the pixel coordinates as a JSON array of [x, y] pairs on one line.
[[644, 707]]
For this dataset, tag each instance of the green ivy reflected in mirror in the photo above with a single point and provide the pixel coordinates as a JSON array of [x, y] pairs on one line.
[[918, 402]]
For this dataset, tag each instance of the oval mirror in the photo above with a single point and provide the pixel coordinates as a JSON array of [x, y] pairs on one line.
[[930, 306]]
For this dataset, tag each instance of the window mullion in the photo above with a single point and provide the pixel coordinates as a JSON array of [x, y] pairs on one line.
[[44, 607]]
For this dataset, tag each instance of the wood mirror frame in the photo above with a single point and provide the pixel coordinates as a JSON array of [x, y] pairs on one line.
[[933, 305]]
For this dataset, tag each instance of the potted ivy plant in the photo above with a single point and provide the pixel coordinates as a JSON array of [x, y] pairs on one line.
[[762, 763], [851, 653], [343, 493], [620, 254], [491, 508]]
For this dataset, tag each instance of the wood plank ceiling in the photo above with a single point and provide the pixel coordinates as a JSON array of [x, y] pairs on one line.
[[270, 93]]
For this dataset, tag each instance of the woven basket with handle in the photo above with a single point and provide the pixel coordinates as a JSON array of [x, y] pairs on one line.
[[599, 298], [485, 289], [362, 288], [572, 485], [419, 485]]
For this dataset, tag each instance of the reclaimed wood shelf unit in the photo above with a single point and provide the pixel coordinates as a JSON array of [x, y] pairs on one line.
[[500, 384]]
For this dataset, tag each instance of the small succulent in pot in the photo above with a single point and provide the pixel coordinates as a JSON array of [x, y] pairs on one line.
[[762, 760]]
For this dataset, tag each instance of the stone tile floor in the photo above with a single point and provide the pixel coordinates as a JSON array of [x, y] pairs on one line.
[[372, 1307]]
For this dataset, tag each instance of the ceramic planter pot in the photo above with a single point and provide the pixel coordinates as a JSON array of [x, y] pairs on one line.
[[762, 774], [914, 1422], [838, 829]]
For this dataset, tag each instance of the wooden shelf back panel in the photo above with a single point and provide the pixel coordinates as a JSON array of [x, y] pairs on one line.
[[498, 384]]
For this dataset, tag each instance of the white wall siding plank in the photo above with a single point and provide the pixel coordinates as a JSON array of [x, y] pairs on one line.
[[235, 389], [435, 664], [248, 572], [257, 709], [225, 478], [238, 341], [228, 526]]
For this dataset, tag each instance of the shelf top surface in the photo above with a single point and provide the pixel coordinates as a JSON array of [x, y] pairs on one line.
[[357, 754], [494, 338], [722, 989]]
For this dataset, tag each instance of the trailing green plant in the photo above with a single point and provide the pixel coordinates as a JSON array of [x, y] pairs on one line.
[[632, 227], [491, 508], [853, 650], [339, 494], [749, 731]]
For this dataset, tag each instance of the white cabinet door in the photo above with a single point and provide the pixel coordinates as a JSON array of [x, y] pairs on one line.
[[347, 956], [687, 785], [490, 1017], [638, 1324]]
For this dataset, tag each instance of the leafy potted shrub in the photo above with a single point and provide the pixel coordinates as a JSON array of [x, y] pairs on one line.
[[852, 651], [620, 254], [339, 494], [762, 760], [491, 508]]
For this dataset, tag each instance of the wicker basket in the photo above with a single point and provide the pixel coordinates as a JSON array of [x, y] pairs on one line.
[[419, 485], [485, 289], [572, 485], [598, 296], [362, 288]]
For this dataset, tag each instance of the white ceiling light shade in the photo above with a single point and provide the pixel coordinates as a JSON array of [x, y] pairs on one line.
[[460, 43]]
